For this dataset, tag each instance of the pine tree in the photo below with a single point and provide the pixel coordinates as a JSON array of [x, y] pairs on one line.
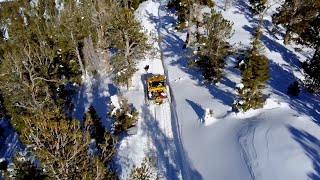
[[36, 61], [188, 12], [61, 145], [129, 41], [146, 171], [295, 15], [97, 130], [194, 12], [214, 45], [124, 118], [22, 168], [312, 70], [258, 6], [311, 37], [3, 110], [253, 77]]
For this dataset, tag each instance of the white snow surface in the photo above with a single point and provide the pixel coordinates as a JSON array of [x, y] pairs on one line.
[[278, 141]]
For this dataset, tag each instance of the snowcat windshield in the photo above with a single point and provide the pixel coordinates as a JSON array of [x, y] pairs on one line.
[[157, 84]]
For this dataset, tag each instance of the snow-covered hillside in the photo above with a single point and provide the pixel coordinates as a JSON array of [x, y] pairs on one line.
[[279, 141]]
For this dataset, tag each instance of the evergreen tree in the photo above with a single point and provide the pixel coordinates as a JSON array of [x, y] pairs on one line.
[[146, 171], [258, 6], [22, 168], [129, 41], [214, 45], [97, 130], [295, 15], [312, 80], [3, 111], [182, 11], [253, 77], [311, 37], [36, 60], [124, 118], [188, 12], [61, 146]]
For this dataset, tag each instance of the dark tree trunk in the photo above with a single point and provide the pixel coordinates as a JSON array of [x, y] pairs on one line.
[[187, 40], [287, 37]]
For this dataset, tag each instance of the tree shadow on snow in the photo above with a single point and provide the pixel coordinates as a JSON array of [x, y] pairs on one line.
[[165, 147], [197, 109], [245, 9], [311, 146], [102, 90], [282, 75], [172, 47], [273, 46]]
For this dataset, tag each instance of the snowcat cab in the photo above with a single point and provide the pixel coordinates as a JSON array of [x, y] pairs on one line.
[[156, 88]]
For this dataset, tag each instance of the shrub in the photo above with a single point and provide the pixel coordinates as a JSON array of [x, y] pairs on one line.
[[124, 118], [147, 170]]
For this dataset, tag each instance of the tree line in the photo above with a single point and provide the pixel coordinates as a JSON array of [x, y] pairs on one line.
[[47, 48], [208, 35]]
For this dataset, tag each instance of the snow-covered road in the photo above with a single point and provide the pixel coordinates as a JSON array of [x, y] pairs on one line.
[[268, 143]]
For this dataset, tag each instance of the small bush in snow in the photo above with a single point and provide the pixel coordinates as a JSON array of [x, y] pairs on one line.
[[124, 118], [294, 89], [211, 112], [147, 170]]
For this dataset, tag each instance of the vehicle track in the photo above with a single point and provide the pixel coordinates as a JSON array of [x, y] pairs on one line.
[[174, 127]]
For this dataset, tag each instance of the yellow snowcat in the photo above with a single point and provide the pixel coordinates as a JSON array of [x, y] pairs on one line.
[[157, 88]]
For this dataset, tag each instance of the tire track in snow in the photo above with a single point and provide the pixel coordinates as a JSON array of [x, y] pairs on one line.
[[250, 138], [175, 127], [244, 147]]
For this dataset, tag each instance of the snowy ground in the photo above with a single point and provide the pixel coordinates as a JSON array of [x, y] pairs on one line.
[[279, 141]]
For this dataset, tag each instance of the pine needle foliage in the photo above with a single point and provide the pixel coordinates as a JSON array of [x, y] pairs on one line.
[[61, 145], [258, 6], [253, 77], [312, 80], [311, 37], [124, 118], [295, 15], [214, 45], [146, 171], [184, 7], [130, 41], [22, 168]]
